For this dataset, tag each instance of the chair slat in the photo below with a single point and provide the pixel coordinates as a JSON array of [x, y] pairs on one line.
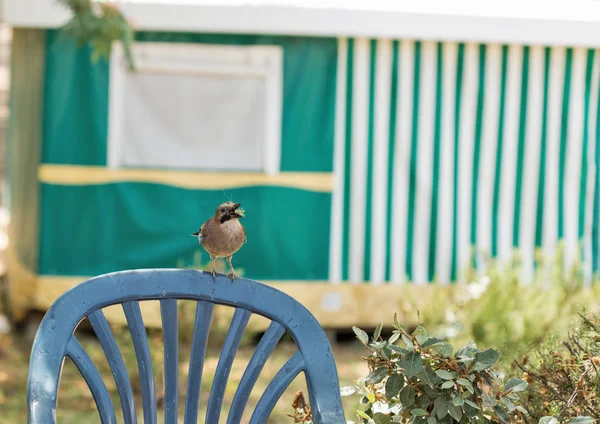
[[204, 311], [230, 347], [276, 387], [142, 353], [168, 308], [93, 379], [264, 349], [117, 366]]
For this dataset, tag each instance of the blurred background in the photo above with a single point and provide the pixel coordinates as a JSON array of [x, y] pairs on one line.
[[438, 157]]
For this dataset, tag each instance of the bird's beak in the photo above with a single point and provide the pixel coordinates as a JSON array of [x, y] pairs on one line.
[[195, 234], [233, 210]]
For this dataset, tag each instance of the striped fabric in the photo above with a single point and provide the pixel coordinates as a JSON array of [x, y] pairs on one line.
[[444, 150]]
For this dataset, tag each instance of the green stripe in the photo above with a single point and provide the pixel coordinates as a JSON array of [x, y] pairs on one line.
[[584, 149], [477, 141], [392, 148], [521, 146], [498, 173], [348, 158], [539, 228], [563, 142], [433, 219], [413, 161], [369, 194], [457, 107]]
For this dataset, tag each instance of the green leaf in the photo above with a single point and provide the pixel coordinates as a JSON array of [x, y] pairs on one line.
[[485, 359], [399, 349], [377, 332], [515, 385], [377, 376], [511, 406], [380, 418], [396, 321], [418, 412], [455, 412], [363, 415], [548, 420], [431, 341], [407, 396], [394, 338], [501, 413], [448, 384], [458, 401], [420, 334], [362, 336], [440, 408], [408, 342], [473, 404], [393, 385], [430, 420], [446, 375], [582, 420], [412, 363], [428, 377], [465, 383]]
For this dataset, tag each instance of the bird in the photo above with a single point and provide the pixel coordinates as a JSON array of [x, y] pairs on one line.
[[223, 235]]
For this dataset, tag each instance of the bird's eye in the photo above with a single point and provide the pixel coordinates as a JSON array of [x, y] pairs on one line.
[[222, 210]]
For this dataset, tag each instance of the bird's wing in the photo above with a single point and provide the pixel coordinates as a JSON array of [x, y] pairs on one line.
[[202, 233], [244, 230]]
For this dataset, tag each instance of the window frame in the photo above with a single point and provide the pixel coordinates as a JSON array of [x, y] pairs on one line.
[[262, 61]]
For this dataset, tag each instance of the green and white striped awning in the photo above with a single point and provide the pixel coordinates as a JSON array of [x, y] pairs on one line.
[[446, 149]]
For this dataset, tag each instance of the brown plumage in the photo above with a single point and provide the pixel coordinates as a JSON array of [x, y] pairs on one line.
[[223, 235]]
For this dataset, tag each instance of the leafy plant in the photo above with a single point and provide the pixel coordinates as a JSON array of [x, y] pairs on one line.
[[565, 376], [426, 381], [99, 23]]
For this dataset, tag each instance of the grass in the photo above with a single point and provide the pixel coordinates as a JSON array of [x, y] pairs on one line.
[[76, 404]]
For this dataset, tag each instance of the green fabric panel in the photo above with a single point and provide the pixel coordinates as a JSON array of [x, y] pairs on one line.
[[584, 157], [539, 228], [414, 149], [563, 143], [394, 96], [348, 160], [521, 146], [369, 195], [75, 129], [437, 138], [90, 230], [499, 149], [75, 104]]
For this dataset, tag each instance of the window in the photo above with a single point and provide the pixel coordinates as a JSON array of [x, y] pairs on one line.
[[196, 107]]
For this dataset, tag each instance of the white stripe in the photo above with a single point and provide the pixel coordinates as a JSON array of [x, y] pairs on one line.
[[509, 154], [592, 146], [446, 179], [337, 196], [360, 135], [468, 113], [402, 160], [531, 162], [489, 147], [572, 179], [555, 98], [383, 84], [424, 170]]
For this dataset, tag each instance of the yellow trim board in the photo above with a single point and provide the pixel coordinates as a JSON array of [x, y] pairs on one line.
[[333, 305], [90, 175]]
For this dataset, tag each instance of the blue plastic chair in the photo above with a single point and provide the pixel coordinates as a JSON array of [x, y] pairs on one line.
[[55, 340]]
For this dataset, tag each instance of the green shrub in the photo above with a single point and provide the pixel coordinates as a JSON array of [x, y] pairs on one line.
[[426, 381]]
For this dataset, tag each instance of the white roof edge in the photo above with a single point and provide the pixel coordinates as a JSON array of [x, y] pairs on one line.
[[313, 21]]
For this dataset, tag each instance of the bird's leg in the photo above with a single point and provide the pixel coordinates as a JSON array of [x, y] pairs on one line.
[[214, 267], [231, 273]]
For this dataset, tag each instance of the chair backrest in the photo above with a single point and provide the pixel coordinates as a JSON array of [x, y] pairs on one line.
[[55, 340]]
